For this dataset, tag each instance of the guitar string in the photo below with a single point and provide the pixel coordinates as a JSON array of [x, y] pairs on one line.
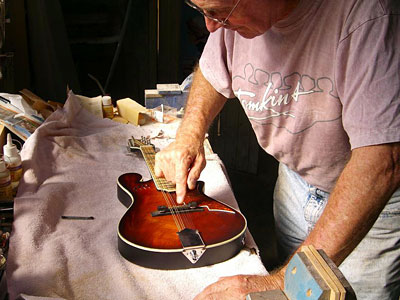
[[174, 213], [149, 159], [146, 154], [185, 217], [181, 219]]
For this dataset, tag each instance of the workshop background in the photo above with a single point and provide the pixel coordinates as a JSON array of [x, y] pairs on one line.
[[121, 48]]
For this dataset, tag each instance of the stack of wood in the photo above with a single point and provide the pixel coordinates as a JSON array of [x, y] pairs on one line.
[[310, 275], [45, 108]]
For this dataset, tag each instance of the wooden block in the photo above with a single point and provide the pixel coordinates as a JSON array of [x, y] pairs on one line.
[[132, 111], [152, 94], [120, 120], [350, 294], [268, 295], [303, 282], [55, 105], [31, 96], [38, 104], [329, 272], [337, 291], [169, 89], [310, 275]]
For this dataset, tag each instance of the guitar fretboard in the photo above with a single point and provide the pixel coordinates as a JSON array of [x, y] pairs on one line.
[[149, 156]]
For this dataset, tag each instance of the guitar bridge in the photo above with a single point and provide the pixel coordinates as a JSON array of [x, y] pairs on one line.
[[193, 245], [187, 208]]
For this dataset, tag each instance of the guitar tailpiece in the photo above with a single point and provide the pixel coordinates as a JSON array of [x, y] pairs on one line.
[[193, 255]]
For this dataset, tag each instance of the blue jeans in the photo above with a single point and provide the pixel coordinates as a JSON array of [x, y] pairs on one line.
[[373, 268]]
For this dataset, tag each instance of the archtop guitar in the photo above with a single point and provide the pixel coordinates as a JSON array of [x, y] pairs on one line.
[[157, 233]]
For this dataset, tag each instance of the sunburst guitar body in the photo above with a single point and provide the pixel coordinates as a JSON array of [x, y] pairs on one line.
[[157, 233]]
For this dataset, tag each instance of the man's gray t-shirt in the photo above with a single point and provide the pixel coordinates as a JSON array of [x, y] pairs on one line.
[[316, 85]]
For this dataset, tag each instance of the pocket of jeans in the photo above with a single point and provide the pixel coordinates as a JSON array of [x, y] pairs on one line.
[[392, 208], [314, 207]]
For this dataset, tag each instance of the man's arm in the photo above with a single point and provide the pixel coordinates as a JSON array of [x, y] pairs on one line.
[[366, 184], [183, 160], [364, 187]]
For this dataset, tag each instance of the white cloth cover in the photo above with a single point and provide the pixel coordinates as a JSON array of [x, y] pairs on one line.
[[71, 165]]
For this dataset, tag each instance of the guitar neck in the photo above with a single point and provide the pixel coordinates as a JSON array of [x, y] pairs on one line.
[[149, 156]]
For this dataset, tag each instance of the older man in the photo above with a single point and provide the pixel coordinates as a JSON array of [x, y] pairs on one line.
[[319, 81]]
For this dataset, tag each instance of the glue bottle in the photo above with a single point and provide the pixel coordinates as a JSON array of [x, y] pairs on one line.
[[108, 109], [13, 161], [6, 192]]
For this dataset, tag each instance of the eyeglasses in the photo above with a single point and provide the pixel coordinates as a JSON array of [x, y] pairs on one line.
[[200, 10]]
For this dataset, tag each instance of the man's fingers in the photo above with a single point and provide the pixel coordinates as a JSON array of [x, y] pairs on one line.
[[180, 190], [181, 175], [181, 164], [180, 185], [195, 171], [157, 170]]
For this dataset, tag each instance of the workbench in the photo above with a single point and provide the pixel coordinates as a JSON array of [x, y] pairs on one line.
[[71, 165]]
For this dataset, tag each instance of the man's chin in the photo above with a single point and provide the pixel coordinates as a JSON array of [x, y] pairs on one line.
[[247, 35]]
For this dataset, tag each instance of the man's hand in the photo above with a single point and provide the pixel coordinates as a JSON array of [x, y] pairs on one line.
[[181, 163], [237, 287]]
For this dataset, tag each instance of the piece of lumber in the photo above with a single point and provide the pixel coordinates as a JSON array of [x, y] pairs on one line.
[[303, 282], [350, 294], [337, 290], [132, 111]]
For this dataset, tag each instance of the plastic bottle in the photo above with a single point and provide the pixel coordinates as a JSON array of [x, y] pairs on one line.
[[108, 109], [13, 162], [6, 192]]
